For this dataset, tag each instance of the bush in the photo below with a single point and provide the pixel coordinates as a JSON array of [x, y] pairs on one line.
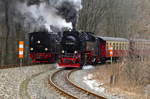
[[137, 72]]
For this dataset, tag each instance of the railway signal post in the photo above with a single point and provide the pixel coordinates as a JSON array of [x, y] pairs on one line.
[[21, 51]]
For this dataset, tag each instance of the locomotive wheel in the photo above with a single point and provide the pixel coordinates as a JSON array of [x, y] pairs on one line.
[[103, 60], [94, 61], [83, 61]]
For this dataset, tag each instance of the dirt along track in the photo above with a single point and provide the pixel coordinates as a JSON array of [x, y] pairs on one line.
[[61, 82], [28, 87], [37, 87], [24, 86]]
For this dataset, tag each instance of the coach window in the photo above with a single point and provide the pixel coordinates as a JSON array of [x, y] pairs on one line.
[[127, 46], [120, 46], [110, 44], [124, 46], [117, 46], [113, 45]]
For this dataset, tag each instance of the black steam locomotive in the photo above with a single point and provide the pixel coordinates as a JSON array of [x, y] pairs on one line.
[[43, 47], [74, 48]]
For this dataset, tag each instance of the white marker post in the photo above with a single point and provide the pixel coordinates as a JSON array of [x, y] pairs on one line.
[[112, 77], [111, 52], [21, 51]]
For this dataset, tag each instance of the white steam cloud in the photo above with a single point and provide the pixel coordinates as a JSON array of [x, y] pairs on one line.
[[57, 13]]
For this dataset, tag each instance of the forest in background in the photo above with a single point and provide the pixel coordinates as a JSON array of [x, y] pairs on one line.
[[118, 18]]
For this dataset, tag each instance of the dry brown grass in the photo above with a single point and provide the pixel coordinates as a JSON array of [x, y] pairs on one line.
[[131, 76], [135, 76]]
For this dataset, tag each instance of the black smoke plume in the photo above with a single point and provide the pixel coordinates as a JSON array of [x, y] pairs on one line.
[[68, 12]]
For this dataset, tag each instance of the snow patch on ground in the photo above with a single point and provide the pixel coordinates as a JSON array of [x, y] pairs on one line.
[[57, 66], [93, 84], [98, 87], [88, 67]]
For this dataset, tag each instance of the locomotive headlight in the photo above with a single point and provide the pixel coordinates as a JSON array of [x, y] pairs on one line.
[[75, 52], [70, 30], [46, 49], [31, 49], [63, 51], [38, 42]]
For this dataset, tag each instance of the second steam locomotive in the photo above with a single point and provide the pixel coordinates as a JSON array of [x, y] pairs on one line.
[[43, 47]]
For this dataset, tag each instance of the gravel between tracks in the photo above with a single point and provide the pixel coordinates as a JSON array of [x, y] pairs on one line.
[[10, 79], [40, 89]]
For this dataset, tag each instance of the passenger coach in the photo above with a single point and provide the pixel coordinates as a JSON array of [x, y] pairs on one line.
[[120, 48]]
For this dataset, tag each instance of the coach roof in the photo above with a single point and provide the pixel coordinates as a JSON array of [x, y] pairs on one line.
[[112, 39]]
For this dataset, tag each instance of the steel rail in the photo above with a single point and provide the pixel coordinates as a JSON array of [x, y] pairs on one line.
[[66, 94]]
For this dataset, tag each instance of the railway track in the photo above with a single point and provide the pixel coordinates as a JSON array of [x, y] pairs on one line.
[[60, 80]]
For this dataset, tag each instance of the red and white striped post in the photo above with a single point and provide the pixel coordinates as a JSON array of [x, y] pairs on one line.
[[21, 51], [110, 52]]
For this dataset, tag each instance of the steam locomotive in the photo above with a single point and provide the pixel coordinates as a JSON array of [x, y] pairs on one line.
[[80, 48], [43, 47]]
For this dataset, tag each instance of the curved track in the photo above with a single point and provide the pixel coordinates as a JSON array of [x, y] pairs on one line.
[[61, 82]]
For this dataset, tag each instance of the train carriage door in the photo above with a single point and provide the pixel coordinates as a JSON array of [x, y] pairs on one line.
[[102, 47]]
